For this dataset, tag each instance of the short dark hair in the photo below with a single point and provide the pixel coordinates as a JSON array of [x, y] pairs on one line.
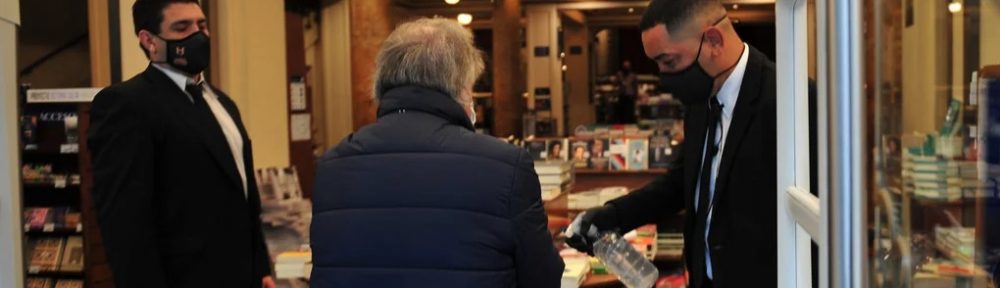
[[674, 13], [148, 14]]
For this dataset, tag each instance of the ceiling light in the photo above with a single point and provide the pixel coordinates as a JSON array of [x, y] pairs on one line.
[[955, 6], [631, 10], [451, 2], [736, 6], [464, 18]]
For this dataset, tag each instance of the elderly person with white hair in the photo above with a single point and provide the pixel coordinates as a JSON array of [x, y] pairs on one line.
[[418, 199]]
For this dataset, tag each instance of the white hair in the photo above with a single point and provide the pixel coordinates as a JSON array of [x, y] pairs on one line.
[[434, 53]]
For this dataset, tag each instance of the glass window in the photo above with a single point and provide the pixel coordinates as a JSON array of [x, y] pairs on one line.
[[933, 124]]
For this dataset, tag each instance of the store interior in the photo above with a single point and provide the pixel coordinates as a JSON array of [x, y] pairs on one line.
[[300, 72]]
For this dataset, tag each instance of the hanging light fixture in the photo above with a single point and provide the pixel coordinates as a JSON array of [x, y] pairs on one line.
[[464, 18], [451, 2], [955, 6]]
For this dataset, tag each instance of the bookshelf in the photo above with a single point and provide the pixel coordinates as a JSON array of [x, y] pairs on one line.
[[51, 133]]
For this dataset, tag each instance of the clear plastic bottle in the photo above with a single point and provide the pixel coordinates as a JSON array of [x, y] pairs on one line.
[[625, 262]]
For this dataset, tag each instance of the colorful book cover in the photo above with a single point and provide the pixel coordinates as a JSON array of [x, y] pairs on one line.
[[618, 153], [581, 152], [558, 149], [72, 255], [599, 154], [38, 283], [638, 154], [661, 153], [35, 217], [67, 283], [45, 254]]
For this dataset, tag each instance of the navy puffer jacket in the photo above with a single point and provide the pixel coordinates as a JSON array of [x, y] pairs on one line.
[[417, 199]]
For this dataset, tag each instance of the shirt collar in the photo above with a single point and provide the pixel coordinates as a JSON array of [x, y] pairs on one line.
[[180, 79], [730, 89]]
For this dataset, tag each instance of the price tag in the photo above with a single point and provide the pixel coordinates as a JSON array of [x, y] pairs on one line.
[[60, 183], [69, 148], [49, 227]]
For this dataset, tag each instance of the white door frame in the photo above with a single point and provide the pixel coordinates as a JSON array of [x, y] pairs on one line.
[[11, 272], [835, 219]]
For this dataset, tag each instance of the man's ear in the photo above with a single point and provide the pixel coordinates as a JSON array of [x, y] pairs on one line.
[[714, 39], [148, 43]]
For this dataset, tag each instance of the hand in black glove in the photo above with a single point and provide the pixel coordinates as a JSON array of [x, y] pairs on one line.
[[601, 218]]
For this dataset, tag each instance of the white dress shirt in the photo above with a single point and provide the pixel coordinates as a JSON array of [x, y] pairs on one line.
[[229, 128], [727, 96]]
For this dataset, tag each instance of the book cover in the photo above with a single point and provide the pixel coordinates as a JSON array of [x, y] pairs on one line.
[[617, 154], [638, 154], [72, 259], [581, 152], [45, 254], [58, 216], [67, 283], [537, 149], [599, 154], [661, 153], [34, 282], [73, 220], [35, 217], [557, 149]]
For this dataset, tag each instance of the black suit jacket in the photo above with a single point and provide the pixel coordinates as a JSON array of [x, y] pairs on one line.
[[743, 233], [170, 201]]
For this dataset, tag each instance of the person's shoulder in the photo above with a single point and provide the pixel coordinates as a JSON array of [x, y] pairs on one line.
[[486, 146], [131, 92]]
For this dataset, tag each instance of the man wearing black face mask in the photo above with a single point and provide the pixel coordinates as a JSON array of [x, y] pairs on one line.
[[725, 178], [174, 185]]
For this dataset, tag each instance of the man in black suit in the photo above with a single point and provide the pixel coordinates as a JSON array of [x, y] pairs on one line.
[[725, 178], [173, 174]]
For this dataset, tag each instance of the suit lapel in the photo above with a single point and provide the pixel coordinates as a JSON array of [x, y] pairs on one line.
[[202, 122], [743, 115]]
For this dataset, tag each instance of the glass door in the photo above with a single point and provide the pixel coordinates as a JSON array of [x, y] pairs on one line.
[[932, 159]]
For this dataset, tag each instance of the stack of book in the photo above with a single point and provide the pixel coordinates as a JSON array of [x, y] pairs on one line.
[[575, 271], [594, 198], [293, 265], [56, 254], [555, 176], [669, 245], [957, 243], [934, 178]]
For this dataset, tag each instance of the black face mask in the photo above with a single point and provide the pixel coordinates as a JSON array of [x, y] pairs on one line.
[[690, 85], [191, 54]]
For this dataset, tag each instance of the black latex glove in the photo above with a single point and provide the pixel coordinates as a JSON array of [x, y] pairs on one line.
[[603, 218]]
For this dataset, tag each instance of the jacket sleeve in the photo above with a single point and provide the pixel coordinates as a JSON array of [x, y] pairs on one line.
[[123, 167], [649, 204], [537, 264]]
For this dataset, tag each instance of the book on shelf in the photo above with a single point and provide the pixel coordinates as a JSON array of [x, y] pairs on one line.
[[35, 218], [72, 259], [661, 153], [37, 282], [599, 154], [557, 149], [618, 152], [580, 152], [638, 154], [45, 254], [69, 283]]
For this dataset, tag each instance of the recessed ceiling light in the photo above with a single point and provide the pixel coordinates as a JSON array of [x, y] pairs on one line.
[[955, 6], [631, 10], [452, 2], [464, 18]]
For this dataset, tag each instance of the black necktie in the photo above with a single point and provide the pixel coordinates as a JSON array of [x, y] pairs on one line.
[[711, 149], [196, 93]]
